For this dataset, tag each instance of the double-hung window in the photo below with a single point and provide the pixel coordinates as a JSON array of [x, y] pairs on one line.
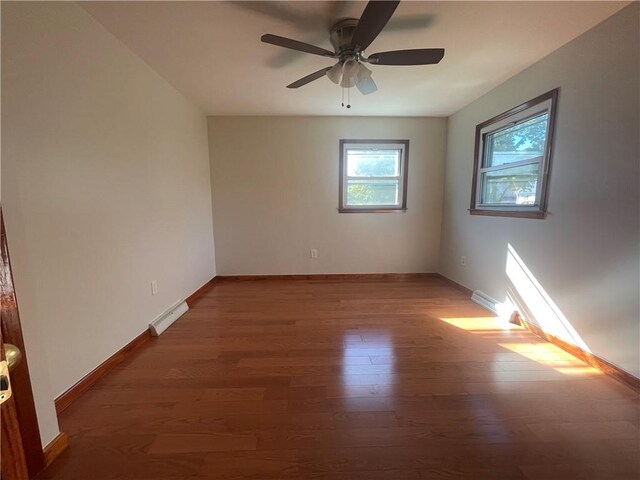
[[512, 160], [373, 175]]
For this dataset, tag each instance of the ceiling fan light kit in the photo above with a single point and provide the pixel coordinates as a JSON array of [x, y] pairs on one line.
[[349, 73], [350, 38]]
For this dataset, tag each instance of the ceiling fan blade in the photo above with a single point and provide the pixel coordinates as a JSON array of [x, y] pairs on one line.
[[419, 56], [375, 16], [309, 78], [296, 45], [367, 86]]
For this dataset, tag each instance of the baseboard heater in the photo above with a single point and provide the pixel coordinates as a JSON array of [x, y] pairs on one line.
[[485, 300], [166, 319]]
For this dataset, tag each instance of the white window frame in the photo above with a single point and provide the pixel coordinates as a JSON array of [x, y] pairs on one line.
[[544, 104], [401, 146]]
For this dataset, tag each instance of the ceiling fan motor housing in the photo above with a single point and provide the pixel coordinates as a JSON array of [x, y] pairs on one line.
[[341, 35]]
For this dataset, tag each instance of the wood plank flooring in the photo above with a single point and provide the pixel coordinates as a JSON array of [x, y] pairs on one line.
[[378, 379]]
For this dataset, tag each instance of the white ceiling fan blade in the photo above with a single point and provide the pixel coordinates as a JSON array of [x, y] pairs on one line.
[[368, 86]]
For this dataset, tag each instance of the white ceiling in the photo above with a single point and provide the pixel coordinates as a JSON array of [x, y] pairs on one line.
[[211, 51]]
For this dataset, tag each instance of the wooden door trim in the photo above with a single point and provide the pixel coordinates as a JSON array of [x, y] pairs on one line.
[[13, 465], [13, 461], [20, 379]]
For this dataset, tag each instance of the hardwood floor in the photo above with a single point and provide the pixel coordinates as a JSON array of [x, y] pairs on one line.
[[402, 380]]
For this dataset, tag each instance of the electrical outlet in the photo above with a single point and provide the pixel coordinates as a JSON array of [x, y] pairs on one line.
[[463, 261], [314, 253], [154, 287]]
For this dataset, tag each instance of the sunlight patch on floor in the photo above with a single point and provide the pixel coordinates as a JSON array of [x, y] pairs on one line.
[[482, 324], [539, 351], [553, 357], [527, 297]]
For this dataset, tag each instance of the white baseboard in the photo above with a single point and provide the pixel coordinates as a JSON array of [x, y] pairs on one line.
[[486, 301]]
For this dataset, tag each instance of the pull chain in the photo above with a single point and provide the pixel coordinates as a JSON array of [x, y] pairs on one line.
[[348, 97]]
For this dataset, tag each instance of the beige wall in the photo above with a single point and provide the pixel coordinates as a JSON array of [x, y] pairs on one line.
[[105, 187], [585, 253], [275, 183]]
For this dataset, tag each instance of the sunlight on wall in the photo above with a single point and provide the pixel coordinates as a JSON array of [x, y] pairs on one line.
[[526, 296], [535, 304]]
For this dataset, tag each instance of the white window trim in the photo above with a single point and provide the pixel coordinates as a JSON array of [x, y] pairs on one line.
[[401, 147], [543, 160]]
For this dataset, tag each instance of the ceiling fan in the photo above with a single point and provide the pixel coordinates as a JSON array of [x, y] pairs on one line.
[[350, 38]]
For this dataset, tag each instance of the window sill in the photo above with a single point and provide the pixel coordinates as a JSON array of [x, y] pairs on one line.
[[509, 213], [372, 210]]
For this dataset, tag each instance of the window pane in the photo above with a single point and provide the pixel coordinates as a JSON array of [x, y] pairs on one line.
[[511, 186], [373, 163], [524, 141], [373, 192]]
